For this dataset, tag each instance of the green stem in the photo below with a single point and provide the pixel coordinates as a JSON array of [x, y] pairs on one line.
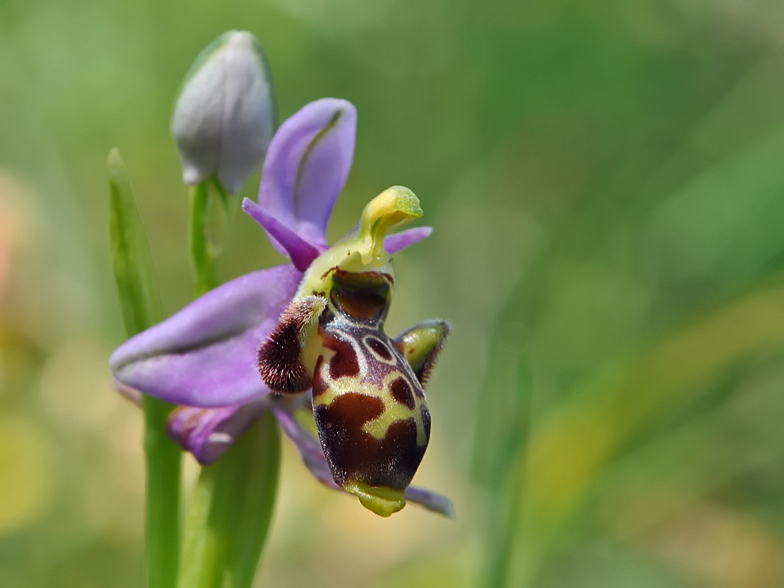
[[208, 227], [164, 464], [141, 309], [231, 510]]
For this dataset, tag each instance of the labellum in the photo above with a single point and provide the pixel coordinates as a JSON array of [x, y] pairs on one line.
[[368, 389]]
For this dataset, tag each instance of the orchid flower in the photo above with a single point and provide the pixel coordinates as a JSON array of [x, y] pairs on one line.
[[305, 337]]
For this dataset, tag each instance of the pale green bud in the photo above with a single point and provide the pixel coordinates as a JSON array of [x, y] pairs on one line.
[[225, 112]]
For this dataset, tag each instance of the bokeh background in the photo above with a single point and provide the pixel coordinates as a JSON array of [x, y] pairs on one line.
[[606, 183]]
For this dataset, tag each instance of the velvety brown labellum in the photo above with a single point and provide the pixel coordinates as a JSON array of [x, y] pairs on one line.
[[354, 455], [368, 397], [371, 413]]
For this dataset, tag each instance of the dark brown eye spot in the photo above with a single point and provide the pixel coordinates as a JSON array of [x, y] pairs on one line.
[[354, 455], [352, 410], [401, 391], [344, 362], [379, 348], [319, 385]]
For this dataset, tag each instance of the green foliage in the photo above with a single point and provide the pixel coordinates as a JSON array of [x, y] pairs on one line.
[[211, 208], [135, 278], [131, 259], [230, 511]]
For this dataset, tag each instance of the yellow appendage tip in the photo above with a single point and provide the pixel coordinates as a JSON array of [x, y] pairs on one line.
[[382, 500]]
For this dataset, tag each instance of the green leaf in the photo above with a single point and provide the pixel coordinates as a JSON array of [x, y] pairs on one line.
[[141, 309], [210, 218], [131, 260], [231, 510]]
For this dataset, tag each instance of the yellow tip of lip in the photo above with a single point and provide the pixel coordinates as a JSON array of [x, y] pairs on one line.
[[382, 500]]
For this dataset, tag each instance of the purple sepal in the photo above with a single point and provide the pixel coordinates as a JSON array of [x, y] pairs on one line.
[[128, 393], [306, 168], [208, 432], [313, 456], [403, 239], [299, 251], [431, 501], [308, 446], [205, 355]]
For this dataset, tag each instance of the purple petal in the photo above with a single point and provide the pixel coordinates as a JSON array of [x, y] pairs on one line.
[[307, 444], [205, 355], [306, 167], [403, 239], [208, 432], [299, 251], [431, 501]]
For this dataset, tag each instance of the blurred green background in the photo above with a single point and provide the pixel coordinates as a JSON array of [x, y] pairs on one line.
[[606, 183]]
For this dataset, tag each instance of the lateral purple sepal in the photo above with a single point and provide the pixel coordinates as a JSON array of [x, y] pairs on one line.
[[403, 239], [431, 501], [298, 250], [309, 447], [208, 432], [306, 168], [205, 355]]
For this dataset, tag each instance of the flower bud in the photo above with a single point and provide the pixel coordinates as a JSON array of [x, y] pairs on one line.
[[225, 113]]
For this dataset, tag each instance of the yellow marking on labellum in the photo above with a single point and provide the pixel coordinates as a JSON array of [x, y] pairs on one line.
[[340, 386], [311, 350], [344, 384], [310, 342], [394, 411], [382, 500]]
